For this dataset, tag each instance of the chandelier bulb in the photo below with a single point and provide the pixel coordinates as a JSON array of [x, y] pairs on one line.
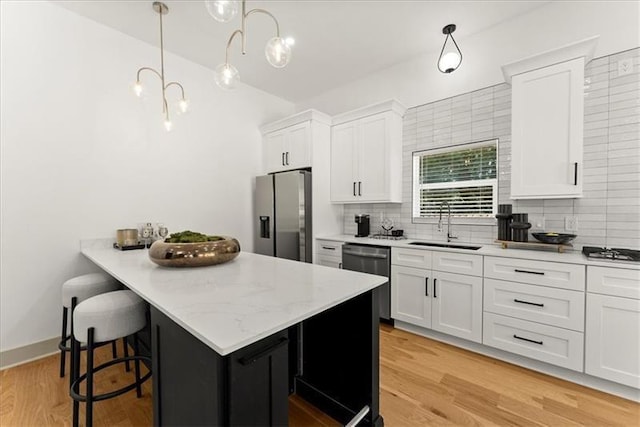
[[278, 52], [138, 89], [226, 76], [183, 106], [168, 125], [222, 10]]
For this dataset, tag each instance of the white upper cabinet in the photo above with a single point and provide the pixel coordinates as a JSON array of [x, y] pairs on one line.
[[288, 148], [366, 155], [547, 122]]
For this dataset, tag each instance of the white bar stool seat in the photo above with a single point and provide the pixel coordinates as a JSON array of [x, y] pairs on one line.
[[99, 319], [81, 288]]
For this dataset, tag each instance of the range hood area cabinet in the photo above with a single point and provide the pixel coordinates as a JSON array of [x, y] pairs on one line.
[[366, 155], [289, 142], [547, 122]]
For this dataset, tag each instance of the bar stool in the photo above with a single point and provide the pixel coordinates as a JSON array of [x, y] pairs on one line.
[[80, 288], [97, 320]]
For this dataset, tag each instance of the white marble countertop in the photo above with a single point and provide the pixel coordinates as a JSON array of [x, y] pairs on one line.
[[232, 305], [571, 257]]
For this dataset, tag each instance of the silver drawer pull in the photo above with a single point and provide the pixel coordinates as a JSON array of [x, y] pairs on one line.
[[541, 273], [527, 302], [329, 248], [527, 339]]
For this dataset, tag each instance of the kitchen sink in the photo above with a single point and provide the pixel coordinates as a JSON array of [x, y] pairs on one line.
[[446, 245]]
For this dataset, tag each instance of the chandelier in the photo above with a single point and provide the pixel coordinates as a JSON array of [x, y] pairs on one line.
[[450, 56], [277, 50], [183, 104]]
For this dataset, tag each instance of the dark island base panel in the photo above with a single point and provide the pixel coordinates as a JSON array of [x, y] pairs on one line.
[[336, 369], [340, 361]]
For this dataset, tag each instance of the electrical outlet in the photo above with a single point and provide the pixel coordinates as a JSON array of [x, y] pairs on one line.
[[625, 66], [570, 223]]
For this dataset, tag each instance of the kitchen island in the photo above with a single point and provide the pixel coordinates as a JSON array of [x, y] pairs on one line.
[[231, 342]]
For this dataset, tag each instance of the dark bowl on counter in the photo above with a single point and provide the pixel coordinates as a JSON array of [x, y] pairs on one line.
[[554, 238]]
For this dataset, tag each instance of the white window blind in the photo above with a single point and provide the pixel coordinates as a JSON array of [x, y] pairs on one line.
[[463, 175]]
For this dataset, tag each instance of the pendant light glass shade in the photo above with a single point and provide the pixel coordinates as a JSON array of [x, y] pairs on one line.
[[227, 76], [222, 10], [450, 56], [278, 52]]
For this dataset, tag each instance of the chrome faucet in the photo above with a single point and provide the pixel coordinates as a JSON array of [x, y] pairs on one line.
[[449, 235]]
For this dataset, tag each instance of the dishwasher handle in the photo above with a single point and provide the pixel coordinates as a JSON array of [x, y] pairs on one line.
[[361, 254]]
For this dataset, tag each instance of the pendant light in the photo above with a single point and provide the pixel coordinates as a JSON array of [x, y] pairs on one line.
[[183, 103], [450, 56], [277, 51]]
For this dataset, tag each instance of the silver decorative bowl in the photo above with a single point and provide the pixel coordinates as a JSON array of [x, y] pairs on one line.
[[194, 254]]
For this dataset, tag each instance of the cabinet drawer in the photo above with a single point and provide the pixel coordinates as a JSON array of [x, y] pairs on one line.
[[614, 281], [555, 307], [411, 257], [546, 343], [329, 248], [457, 263], [555, 274]]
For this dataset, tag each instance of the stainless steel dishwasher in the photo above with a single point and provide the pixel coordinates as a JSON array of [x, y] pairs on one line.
[[373, 260]]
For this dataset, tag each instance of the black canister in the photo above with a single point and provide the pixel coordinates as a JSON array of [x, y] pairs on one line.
[[520, 226], [504, 222]]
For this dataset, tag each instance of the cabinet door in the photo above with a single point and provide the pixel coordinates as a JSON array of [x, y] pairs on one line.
[[274, 146], [410, 301], [457, 305], [547, 122], [343, 149], [373, 171], [612, 349], [298, 146]]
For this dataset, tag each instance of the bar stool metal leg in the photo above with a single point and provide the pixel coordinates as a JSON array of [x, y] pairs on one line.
[[127, 367], [114, 349], [136, 363], [75, 367], [89, 402], [63, 336]]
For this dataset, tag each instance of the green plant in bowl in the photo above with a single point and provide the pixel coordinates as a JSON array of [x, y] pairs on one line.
[[191, 237]]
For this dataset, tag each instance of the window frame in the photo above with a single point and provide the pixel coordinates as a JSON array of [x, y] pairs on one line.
[[416, 186]]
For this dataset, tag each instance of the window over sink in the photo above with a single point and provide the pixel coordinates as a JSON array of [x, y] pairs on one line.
[[464, 176]]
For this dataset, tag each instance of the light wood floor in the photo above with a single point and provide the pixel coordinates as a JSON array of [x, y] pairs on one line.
[[423, 382]]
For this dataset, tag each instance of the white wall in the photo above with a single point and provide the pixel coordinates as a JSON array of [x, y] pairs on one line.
[[557, 23], [82, 157]]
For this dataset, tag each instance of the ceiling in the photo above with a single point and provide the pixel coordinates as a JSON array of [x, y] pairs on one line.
[[336, 41]]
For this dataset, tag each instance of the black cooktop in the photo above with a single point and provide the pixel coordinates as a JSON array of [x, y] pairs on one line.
[[613, 254]]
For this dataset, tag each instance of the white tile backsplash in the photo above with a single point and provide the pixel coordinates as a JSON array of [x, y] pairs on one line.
[[608, 214]]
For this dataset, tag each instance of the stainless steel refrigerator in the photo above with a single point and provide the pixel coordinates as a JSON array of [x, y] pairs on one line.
[[283, 215]]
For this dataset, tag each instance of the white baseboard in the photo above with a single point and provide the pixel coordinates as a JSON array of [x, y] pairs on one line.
[[28, 353], [535, 365]]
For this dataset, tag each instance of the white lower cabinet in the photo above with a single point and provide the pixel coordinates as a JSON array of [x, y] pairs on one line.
[[443, 301], [549, 344], [328, 253], [612, 348]]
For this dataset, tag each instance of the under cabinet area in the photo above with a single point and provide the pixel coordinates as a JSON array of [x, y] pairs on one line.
[[535, 309], [328, 253], [612, 348], [443, 300], [366, 155]]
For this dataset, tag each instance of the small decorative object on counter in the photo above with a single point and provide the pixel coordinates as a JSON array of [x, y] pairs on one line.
[[191, 249], [126, 237], [520, 227], [363, 225], [504, 222], [554, 238], [147, 234]]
